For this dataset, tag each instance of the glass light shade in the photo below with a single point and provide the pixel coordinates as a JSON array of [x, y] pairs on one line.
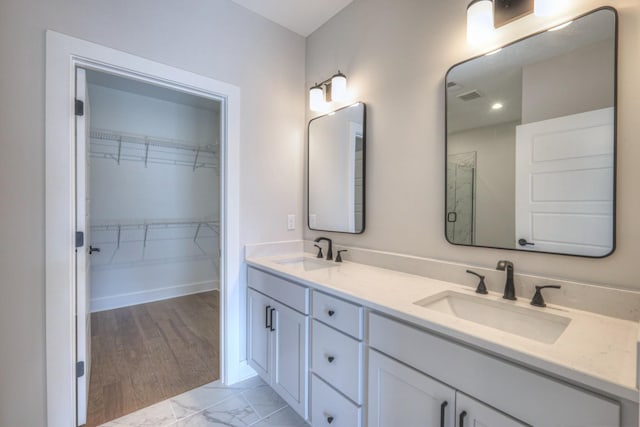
[[338, 87], [316, 101], [546, 7], [479, 21]]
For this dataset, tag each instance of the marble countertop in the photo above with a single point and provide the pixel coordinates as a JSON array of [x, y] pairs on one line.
[[596, 351]]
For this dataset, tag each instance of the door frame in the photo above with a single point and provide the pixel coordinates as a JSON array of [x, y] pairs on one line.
[[63, 55]]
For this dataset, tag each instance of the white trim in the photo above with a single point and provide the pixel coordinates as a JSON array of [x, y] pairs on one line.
[[151, 295], [63, 54]]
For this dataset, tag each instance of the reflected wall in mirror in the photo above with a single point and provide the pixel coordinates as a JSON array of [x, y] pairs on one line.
[[336, 170], [530, 151]]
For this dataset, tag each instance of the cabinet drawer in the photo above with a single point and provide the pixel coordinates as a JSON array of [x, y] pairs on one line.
[[336, 358], [526, 395], [288, 293], [338, 313], [330, 409]]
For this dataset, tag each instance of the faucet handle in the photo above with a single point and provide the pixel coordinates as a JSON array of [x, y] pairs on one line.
[[339, 256], [482, 288], [537, 299], [320, 255]]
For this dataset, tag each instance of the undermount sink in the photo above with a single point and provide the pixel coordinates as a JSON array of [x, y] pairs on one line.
[[305, 264], [504, 316]]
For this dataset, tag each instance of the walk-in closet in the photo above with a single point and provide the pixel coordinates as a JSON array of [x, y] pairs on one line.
[[153, 166]]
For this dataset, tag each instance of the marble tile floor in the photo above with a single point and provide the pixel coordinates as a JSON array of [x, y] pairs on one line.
[[248, 403]]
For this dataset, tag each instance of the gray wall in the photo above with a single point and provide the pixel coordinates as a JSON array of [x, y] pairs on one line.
[[215, 38], [395, 55], [573, 83]]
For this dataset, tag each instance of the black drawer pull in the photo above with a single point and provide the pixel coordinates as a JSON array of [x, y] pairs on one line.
[[331, 359], [266, 317], [329, 419], [271, 318], [463, 414], [442, 409], [331, 313]]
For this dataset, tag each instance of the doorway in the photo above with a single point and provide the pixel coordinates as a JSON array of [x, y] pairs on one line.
[[149, 202], [63, 55]]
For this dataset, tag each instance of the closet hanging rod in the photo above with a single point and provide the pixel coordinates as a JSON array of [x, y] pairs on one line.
[[213, 225]]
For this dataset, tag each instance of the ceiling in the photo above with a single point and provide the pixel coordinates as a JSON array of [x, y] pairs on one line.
[[300, 16]]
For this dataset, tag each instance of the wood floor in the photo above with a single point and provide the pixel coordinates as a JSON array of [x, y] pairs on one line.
[[147, 353]]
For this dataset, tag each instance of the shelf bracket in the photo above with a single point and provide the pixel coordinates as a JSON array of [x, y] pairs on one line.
[[195, 162], [195, 237], [119, 150], [146, 231], [146, 152]]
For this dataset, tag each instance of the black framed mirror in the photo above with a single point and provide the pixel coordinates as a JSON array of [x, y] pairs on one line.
[[531, 142], [336, 170]]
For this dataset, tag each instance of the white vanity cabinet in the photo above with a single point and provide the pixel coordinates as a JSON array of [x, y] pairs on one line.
[[471, 413], [337, 350], [522, 394], [277, 336]]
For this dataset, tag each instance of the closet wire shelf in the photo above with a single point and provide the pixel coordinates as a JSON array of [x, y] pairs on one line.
[[120, 147]]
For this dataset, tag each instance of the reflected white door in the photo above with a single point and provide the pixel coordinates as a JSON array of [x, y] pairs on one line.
[[564, 184], [83, 319]]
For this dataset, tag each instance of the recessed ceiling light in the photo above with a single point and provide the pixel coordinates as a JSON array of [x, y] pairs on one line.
[[497, 106], [559, 27]]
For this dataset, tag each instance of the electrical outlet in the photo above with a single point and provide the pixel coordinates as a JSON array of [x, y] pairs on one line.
[[291, 222]]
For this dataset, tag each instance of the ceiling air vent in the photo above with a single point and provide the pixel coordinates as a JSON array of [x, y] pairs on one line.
[[469, 96]]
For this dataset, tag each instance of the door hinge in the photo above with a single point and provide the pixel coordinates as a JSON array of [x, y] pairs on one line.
[[79, 108], [79, 369], [79, 239]]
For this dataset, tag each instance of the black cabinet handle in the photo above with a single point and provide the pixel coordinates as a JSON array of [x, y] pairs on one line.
[[443, 407], [523, 242], [463, 414], [329, 419], [331, 313], [271, 318], [266, 317], [331, 359], [92, 250]]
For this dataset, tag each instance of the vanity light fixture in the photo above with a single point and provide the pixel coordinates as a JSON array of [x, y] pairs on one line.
[[335, 89], [479, 21]]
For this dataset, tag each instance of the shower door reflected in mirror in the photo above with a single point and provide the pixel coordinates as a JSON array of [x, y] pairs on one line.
[[461, 181]]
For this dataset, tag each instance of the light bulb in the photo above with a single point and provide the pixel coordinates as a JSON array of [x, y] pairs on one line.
[[316, 101], [546, 7], [479, 21], [338, 87]]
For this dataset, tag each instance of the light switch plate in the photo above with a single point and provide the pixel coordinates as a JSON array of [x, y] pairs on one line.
[[291, 222]]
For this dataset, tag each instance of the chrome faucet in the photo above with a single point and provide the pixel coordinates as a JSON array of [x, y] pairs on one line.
[[329, 249], [509, 288]]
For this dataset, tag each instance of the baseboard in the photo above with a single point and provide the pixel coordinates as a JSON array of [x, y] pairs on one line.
[[134, 298]]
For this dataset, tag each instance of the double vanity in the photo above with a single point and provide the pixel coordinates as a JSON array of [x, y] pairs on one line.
[[350, 344]]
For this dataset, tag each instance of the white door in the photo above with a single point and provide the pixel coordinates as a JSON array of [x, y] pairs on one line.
[[401, 396], [259, 312], [471, 413], [564, 184], [290, 358], [83, 316]]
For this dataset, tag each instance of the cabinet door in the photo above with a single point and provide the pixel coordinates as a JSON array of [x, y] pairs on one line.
[[258, 318], [290, 357], [471, 413], [401, 396]]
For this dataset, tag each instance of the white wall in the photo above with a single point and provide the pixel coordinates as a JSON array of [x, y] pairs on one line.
[[395, 55], [171, 263], [495, 223], [577, 82], [215, 38]]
